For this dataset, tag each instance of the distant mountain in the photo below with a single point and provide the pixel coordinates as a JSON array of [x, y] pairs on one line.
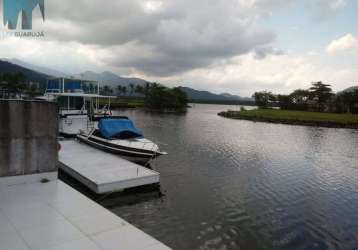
[[235, 97], [40, 74], [110, 79], [351, 89], [30, 75], [40, 69], [196, 95]]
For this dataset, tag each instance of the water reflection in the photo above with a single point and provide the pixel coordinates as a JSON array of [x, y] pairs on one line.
[[231, 184]]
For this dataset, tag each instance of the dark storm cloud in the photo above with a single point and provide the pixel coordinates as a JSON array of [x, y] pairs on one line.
[[161, 37]]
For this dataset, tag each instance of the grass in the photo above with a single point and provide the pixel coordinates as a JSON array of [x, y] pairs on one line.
[[295, 117]]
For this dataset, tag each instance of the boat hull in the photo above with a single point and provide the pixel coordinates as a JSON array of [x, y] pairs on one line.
[[137, 156]]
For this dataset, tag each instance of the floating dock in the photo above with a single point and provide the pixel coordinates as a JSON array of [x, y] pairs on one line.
[[100, 171], [44, 216]]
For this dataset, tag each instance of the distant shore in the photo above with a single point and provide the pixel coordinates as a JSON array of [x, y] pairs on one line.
[[316, 119], [124, 102]]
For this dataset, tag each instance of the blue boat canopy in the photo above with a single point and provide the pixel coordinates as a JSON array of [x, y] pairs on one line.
[[118, 129]]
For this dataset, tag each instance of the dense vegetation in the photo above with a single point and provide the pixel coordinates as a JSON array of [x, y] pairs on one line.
[[152, 96], [159, 97], [14, 85], [317, 98], [29, 75], [295, 117], [317, 106]]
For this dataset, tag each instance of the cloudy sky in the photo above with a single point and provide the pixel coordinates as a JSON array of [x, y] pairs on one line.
[[236, 46]]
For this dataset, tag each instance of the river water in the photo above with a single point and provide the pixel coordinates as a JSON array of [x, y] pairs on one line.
[[232, 184]]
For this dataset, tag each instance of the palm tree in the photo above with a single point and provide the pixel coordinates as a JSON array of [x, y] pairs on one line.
[[124, 90], [91, 88], [131, 86], [119, 90]]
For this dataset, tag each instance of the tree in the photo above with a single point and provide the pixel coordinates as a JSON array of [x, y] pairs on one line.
[[32, 90], [181, 99], [146, 89], [321, 93], [16, 83], [299, 99], [284, 101], [131, 87], [346, 102], [139, 89], [119, 90], [124, 90], [107, 90], [264, 99], [300, 96]]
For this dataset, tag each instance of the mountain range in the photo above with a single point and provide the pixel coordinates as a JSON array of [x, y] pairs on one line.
[[110, 79], [40, 74], [40, 69], [197, 95], [31, 75]]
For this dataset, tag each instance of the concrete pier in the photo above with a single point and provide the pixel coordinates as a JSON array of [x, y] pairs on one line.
[[28, 137], [100, 171]]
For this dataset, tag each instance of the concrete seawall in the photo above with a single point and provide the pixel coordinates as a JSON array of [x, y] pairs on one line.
[[28, 137]]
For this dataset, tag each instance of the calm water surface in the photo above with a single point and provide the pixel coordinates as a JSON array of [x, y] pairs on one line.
[[231, 184]]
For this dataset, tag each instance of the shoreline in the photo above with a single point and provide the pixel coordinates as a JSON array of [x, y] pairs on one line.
[[286, 121]]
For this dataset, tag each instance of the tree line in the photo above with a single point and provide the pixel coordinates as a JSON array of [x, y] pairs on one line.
[[121, 90], [156, 96], [319, 97], [15, 85]]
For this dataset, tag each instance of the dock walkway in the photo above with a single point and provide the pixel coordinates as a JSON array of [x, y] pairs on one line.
[[54, 216], [100, 171]]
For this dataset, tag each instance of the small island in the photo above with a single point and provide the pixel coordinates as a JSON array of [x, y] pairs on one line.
[[317, 106]]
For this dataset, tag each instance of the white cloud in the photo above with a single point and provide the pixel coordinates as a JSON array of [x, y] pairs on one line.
[[346, 43], [336, 4], [70, 57], [245, 74]]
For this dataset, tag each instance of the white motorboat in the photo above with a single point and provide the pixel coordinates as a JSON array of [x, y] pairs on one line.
[[120, 136]]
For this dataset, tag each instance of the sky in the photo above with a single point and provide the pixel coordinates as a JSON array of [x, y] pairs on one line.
[[235, 46]]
